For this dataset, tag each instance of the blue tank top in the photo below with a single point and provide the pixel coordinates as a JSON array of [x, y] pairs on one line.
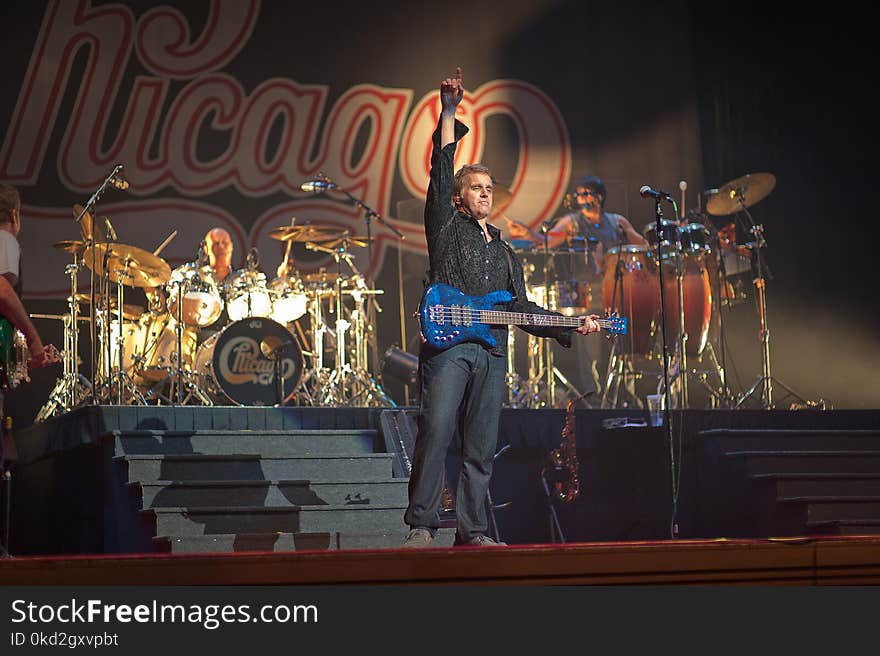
[[607, 232]]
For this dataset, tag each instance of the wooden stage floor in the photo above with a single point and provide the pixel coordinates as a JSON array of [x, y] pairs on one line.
[[785, 561]]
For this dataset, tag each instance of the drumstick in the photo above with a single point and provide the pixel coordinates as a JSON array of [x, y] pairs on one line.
[[683, 185], [165, 243]]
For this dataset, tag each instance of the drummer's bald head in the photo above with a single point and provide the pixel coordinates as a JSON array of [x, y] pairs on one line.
[[218, 235], [218, 244]]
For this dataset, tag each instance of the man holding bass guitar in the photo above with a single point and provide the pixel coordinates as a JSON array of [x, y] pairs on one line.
[[462, 383], [11, 308]]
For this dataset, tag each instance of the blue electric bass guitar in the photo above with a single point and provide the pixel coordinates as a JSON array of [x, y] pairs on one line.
[[449, 317]]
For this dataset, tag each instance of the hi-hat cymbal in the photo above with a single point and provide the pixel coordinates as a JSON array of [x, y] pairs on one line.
[[129, 265], [305, 233], [70, 246], [742, 192]]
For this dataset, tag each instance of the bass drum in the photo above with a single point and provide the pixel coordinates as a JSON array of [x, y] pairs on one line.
[[232, 368], [634, 293], [158, 347]]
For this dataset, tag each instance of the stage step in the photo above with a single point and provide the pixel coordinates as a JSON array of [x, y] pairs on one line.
[[268, 443], [240, 542], [848, 527], [156, 494], [194, 467], [258, 519], [790, 485], [805, 461], [793, 438]]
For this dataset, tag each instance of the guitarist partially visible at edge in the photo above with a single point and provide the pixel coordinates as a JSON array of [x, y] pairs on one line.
[[463, 386], [11, 307]]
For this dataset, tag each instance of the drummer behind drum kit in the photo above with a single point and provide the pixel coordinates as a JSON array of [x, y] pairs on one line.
[[176, 352]]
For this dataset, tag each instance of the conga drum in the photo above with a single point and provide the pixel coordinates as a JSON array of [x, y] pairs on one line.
[[631, 288]]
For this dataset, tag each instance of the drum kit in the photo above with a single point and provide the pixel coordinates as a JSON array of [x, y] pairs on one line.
[[701, 267], [245, 340]]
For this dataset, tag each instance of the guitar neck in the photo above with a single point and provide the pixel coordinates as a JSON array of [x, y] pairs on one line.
[[465, 315]]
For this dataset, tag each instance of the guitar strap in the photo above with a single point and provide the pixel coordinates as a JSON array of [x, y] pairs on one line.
[[508, 251]]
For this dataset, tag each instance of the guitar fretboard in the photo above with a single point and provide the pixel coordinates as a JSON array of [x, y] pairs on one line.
[[460, 315]]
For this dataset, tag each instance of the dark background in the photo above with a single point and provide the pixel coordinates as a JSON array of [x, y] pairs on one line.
[[651, 95]]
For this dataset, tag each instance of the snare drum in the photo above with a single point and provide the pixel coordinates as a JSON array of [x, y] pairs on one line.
[[198, 288], [668, 245], [290, 300], [232, 368], [247, 295]]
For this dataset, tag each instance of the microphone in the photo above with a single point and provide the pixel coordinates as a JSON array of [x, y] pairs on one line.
[[647, 192], [316, 186], [111, 233], [116, 179]]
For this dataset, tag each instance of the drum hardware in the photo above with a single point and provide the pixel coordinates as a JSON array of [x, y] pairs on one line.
[[349, 383], [373, 389], [539, 389], [123, 265], [72, 388], [273, 348]]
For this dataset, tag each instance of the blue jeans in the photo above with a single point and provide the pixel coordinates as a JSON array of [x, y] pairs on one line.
[[462, 387]]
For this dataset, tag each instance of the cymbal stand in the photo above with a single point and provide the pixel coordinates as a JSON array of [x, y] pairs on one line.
[[620, 364], [179, 377], [72, 388], [123, 380], [765, 381], [369, 215], [347, 385], [315, 378]]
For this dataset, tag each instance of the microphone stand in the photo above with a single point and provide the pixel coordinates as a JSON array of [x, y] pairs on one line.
[[667, 425], [369, 214], [89, 207]]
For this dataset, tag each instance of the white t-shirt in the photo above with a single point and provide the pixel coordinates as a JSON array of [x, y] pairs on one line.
[[10, 253]]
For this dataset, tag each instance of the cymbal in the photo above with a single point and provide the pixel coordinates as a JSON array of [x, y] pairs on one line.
[[129, 311], [70, 246], [360, 240], [321, 277], [741, 192], [305, 233], [129, 265]]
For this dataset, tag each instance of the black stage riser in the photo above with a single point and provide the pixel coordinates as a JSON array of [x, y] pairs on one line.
[[137, 479]]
